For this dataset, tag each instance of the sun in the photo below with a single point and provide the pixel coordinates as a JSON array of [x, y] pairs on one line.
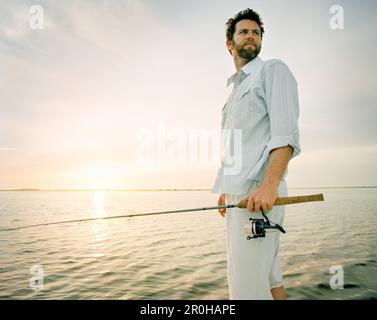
[[100, 176]]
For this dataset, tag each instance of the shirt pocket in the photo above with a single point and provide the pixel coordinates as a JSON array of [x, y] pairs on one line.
[[243, 94], [252, 104], [241, 107]]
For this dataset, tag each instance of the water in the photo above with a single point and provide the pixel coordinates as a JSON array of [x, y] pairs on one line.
[[177, 256]]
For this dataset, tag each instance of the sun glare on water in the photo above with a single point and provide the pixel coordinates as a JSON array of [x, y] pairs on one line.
[[99, 177], [99, 208]]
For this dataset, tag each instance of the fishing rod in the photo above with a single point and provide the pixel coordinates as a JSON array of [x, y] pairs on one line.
[[241, 204]]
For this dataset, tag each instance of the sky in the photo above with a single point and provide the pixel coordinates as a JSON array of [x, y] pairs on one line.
[[128, 94]]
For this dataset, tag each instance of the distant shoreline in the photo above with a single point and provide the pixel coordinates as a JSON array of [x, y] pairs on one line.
[[150, 190]]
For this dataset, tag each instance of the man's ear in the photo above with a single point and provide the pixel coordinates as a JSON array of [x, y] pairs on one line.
[[229, 44]]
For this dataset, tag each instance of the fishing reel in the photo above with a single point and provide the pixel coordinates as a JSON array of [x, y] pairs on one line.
[[256, 228]]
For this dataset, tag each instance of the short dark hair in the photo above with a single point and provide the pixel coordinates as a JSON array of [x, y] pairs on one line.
[[245, 14]]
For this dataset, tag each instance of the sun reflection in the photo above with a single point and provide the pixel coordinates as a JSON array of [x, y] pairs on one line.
[[99, 209], [99, 229]]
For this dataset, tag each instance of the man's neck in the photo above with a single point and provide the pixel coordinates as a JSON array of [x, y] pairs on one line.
[[239, 62]]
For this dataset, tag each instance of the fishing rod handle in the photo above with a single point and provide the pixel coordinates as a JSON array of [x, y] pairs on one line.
[[289, 200]]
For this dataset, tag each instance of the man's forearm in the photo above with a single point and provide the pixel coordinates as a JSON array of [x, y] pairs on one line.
[[278, 162]]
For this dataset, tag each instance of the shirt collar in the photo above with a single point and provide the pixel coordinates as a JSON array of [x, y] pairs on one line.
[[245, 70]]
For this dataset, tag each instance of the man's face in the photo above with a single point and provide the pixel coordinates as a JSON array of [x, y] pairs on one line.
[[247, 40]]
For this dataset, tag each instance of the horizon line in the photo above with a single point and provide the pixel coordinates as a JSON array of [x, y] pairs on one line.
[[167, 189]]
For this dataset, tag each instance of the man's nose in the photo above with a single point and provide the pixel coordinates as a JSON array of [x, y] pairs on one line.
[[250, 36]]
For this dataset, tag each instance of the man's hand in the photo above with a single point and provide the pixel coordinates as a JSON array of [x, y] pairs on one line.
[[266, 194], [221, 202], [262, 197]]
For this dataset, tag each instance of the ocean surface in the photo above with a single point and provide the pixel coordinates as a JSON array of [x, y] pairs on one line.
[[177, 256]]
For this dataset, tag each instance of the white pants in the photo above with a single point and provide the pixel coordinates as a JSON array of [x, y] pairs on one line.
[[253, 265]]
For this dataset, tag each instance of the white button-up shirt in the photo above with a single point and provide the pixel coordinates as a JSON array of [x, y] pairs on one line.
[[261, 114]]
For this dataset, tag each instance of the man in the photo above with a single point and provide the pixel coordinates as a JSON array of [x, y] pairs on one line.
[[259, 136]]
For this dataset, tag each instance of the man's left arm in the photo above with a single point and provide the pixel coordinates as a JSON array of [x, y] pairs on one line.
[[266, 194], [283, 111]]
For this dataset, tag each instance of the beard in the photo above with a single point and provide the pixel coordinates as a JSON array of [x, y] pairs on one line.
[[248, 53]]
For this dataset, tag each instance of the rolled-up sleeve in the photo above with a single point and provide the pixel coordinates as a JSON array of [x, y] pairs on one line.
[[283, 107]]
